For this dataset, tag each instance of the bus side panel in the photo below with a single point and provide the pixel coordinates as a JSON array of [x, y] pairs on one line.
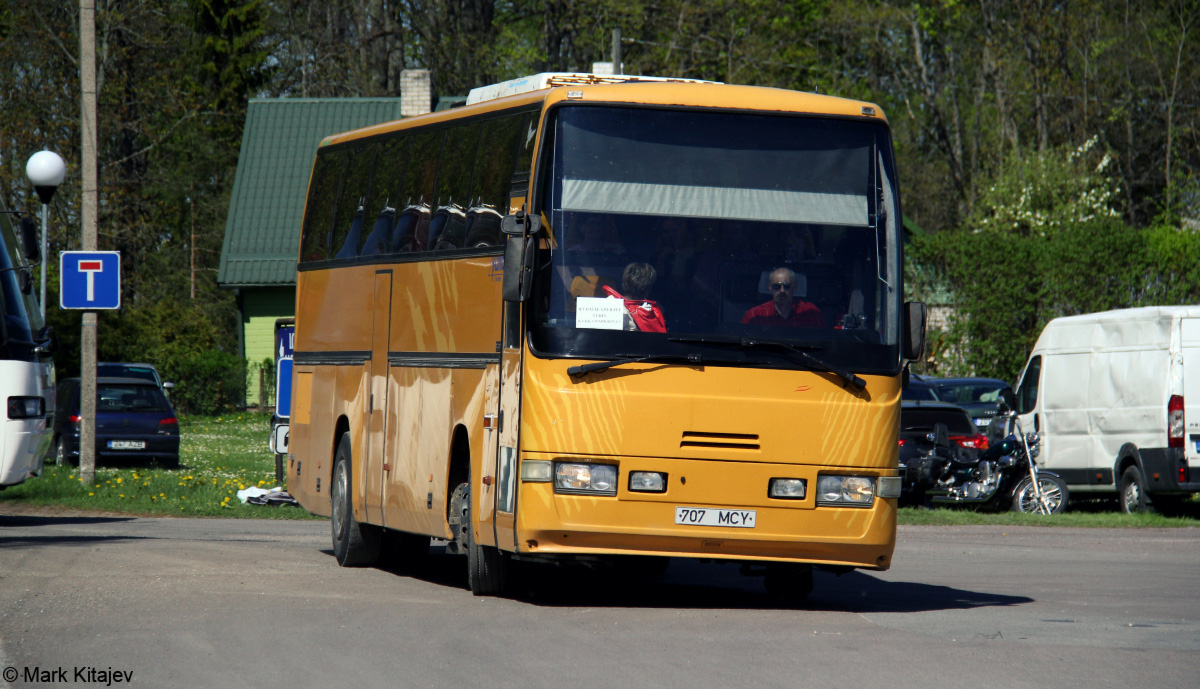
[[441, 311], [429, 404], [303, 459], [403, 488], [333, 320]]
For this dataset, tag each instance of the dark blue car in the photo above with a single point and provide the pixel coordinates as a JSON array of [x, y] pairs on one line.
[[979, 396], [134, 423]]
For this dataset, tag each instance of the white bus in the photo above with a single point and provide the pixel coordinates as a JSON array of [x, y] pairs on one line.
[[26, 366]]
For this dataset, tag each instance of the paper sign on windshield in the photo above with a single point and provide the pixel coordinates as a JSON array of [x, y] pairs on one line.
[[599, 313]]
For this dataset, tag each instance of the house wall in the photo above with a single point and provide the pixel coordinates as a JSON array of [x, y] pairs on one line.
[[260, 307]]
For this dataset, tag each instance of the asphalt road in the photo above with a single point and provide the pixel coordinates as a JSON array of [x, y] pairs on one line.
[[249, 603]]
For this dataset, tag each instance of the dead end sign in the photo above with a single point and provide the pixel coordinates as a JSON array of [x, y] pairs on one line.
[[91, 280]]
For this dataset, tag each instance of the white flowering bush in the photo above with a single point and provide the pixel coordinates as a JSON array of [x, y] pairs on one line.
[[1037, 193]]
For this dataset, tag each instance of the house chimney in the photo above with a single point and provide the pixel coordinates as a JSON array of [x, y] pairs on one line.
[[414, 92]]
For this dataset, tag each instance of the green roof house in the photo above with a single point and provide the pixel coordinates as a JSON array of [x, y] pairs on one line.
[[262, 231]]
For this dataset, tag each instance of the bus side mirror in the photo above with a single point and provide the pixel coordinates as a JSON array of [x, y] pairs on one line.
[[520, 223], [914, 331], [29, 240], [518, 268]]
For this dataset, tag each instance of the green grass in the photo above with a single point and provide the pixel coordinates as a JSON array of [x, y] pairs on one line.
[[1096, 513], [218, 457], [221, 455]]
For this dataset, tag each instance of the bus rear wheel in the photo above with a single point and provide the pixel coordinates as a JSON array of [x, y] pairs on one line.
[[354, 544]]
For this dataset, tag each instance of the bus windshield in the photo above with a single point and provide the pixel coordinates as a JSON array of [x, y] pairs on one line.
[[740, 237]]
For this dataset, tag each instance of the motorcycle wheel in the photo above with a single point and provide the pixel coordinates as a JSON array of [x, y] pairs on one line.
[[1054, 492]]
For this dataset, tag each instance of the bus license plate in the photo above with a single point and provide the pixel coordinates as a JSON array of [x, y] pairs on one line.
[[127, 444], [706, 516]]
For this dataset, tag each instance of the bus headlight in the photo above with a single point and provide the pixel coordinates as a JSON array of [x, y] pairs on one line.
[[591, 479], [647, 482], [788, 488], [846, 491]]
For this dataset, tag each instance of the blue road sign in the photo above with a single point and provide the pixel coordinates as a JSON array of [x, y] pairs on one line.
[[285, 338], [91, 280]]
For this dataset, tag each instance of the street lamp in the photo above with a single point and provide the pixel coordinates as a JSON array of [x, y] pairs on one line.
[[46, 170]]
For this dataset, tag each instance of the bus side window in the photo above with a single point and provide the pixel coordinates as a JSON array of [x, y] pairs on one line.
[[355, 185], [420, 175], [322, 197], [448, 228], [386, 195], [525, 139]]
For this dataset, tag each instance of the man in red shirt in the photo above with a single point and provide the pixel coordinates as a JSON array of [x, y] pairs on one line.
[[785, 309]]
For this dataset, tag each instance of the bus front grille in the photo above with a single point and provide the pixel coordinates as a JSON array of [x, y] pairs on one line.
[[720, 441]]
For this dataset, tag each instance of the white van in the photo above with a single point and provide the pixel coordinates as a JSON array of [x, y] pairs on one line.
[[1116, 398]]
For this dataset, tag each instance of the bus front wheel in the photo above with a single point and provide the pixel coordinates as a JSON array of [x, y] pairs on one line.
[[487, 567], [354, 544]]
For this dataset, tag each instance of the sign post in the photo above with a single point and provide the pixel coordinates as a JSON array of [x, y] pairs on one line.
[[91, 281]]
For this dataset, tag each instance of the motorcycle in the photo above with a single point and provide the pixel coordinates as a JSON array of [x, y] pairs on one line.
[[1004, 476]]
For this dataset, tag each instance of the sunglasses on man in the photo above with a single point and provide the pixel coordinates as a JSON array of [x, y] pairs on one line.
[[777, 286]]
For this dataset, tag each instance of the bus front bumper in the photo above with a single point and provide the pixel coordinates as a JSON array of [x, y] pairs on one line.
[[632, 523]]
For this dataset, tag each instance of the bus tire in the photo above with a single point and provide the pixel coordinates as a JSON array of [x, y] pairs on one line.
[[789, 583], [354, 544], [487, 567]]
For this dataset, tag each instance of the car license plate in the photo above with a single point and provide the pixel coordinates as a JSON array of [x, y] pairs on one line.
[[127, 444], [707, 516]]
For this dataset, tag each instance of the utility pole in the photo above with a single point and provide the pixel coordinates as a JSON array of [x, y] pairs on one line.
[[91, 192], [618, 68], [192, 215]]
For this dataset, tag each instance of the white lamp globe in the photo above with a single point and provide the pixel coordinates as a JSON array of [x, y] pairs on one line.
[[46, 170]]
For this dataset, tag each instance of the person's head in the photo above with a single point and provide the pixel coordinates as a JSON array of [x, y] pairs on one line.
[[782, 286], [637, 280], [592, 229]]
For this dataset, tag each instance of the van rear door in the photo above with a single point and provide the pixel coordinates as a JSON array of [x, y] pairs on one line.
[[1190, 331]]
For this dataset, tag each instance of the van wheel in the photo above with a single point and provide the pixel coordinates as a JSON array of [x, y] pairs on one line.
[[487, 567], [1132, 492], [354, 544]]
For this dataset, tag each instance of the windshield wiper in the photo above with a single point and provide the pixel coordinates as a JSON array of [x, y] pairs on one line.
[[796, 352], [584, 369]]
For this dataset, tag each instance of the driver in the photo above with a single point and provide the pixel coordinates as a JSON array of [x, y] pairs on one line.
[[784, 308]]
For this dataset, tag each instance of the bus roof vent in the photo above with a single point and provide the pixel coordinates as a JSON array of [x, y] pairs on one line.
[[546, 80]]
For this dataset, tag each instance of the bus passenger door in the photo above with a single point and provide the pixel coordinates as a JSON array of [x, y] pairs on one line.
[[508, 422], [374, 457]]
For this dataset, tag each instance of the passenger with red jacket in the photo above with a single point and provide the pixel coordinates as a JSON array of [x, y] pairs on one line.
[[784, 308], [644, 315]]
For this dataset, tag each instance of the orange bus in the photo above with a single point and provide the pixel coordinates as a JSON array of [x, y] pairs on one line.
[[586, 321]]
